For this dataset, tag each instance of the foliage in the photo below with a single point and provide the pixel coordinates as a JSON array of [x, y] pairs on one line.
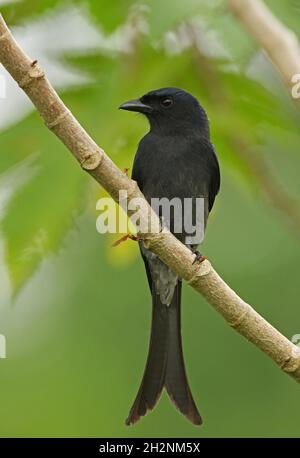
[[81, 317]]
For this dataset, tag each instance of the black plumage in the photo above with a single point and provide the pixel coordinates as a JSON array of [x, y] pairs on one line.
[[174, 160]]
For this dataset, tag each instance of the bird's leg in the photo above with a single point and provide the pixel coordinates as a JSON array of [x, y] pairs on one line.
[[198, 257], [125, 171], [125, 237]]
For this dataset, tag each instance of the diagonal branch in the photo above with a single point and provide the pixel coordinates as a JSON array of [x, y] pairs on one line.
[[279, 42], [202, 277]]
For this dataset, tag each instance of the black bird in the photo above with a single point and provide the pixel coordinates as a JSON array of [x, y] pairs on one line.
[[174, 159]]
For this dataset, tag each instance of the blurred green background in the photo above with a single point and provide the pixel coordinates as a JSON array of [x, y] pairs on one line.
[[74, 311]]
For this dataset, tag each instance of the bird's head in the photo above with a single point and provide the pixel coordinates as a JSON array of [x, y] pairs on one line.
[[170, 110]]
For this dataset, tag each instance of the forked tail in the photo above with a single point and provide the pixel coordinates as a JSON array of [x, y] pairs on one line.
[[165, 364]]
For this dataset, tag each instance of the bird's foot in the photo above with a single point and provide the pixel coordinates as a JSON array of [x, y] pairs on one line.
[[199, 257], [125, 171], [125, 237]]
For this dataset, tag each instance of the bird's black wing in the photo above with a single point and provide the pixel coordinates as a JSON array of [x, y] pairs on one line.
[[138, 177], [215, 180]]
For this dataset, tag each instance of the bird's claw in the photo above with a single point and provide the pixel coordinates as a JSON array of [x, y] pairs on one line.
[[125, 237], [125, 171], [199, 257]]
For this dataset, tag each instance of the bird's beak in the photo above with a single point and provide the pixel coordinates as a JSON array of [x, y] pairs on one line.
[[136, 105]]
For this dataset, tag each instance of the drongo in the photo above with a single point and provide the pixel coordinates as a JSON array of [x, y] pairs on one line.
[[176, 159]]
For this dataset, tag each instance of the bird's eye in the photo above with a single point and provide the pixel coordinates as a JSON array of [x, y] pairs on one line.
[[166, 103]]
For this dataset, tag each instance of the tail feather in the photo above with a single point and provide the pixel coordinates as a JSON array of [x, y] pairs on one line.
[[165, 364], [176, 381], [153, 379]]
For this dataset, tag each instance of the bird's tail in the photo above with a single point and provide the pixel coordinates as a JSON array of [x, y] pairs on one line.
[[165, 363]]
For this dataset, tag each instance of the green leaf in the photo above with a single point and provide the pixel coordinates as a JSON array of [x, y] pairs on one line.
[[16, 12], [40, 212], [109, 14]]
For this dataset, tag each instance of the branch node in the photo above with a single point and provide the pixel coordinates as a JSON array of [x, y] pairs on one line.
[[235, 324], [148, 242], [91, 160], [202, 270], [291, 363], [153, 238], [35, 72], [58, 120], [5, 35]]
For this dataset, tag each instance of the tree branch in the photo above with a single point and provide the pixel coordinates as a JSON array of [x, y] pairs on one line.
[[279, 42], [202, 277]]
